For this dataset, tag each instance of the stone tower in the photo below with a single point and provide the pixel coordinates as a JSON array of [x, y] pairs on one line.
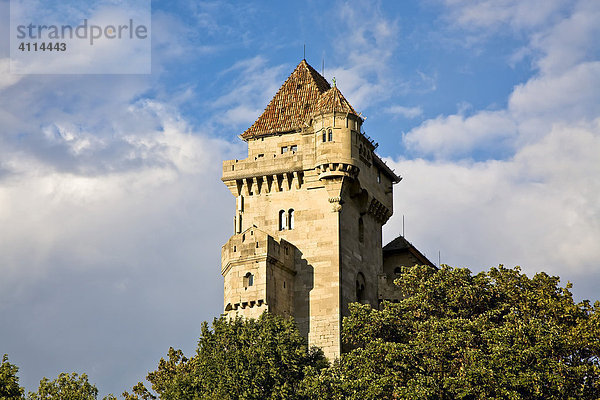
[[311, 199]]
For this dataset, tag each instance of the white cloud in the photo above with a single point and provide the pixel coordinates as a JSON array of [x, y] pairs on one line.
[[105, 231], [570, 41], [406, 112], [537, 206], [246, 96], [6, 78], [538, 209], [493, 14], [459, 136], [365, 41]]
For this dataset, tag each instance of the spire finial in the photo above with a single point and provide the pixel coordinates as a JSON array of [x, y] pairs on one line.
[[333, 81]]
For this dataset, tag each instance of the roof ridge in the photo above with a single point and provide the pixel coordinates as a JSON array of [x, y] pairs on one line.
[[293, 103]]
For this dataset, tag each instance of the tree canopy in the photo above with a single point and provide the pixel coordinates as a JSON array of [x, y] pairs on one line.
[[9, 381], [454, 335], [265, 358], [493, 335]]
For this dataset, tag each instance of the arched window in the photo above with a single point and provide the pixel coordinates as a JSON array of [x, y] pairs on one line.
[[361, 230], [282, 220], [329, 135], [291, 218], [360, 287], [248, 280], [324, 136]]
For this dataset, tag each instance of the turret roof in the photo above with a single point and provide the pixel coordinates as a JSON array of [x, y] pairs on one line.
[[400, 245], [333, 100], [304, 93]]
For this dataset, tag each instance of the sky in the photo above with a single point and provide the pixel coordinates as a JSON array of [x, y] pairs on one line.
[[112, 212]]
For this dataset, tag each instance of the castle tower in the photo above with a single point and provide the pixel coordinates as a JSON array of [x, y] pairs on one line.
[[311, 199]]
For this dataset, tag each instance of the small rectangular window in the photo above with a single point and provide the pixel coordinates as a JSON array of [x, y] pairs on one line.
[[260, 155], [284, 149], [294, 148]]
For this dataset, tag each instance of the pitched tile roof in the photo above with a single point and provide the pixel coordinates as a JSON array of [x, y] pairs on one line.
[[303, 93], [333, 100], [400, 245]]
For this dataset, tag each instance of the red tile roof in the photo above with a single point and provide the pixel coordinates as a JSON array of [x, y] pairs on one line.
[[333, 100], [304, 93]]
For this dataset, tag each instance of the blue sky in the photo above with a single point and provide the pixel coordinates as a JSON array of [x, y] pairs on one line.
[[112, 212]]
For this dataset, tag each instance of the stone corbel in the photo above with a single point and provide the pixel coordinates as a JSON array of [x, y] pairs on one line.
[[336, 203]]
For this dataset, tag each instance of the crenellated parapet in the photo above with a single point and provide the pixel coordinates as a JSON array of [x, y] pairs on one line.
[[252, 261]]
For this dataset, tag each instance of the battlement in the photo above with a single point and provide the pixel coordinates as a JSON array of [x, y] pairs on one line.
[[253, 263], [255, 245]]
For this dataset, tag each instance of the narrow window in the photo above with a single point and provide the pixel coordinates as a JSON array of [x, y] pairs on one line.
[[330, 135], [257, 245], [281, 220], [248, 280], [378, 175], [291, 218], [324, 136], [294, 148], [361, 230], [360, 287]]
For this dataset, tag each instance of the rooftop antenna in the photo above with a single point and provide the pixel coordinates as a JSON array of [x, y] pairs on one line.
[[402, 225], [304, 58], [439, 258]]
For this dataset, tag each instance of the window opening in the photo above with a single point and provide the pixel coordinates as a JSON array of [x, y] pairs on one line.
[[248, 280], [361, 230], [291, 218], [360, 287], [281, 220]]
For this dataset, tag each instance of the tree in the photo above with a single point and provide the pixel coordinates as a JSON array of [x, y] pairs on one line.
[[498, 334], [9, 381], [67, 387], [265, 358]]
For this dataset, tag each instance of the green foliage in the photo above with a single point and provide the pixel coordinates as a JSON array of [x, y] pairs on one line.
[[9, 381], [495, 335], [67, 387], [265, 358]]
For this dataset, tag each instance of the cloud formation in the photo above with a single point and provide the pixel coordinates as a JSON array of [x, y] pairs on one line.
[[533, 202]]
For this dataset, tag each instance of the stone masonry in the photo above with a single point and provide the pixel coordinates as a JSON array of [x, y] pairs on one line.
[[311, 200]]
